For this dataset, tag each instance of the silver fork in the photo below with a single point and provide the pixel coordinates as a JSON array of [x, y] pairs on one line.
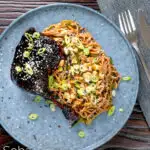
[[128, 28]]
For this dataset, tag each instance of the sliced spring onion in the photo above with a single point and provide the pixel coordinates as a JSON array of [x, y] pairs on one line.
[[72, 71], [66, 50], [111, 60], [33, 116], [51, 26], [37, 99], [87, 77], [50, 81], [29, 37], [81, 92], [55, 85], [76, 67], [95, 60], [121, 110], [67, 40], [113, 93], [92, 85], [95, 67], [94, 79], [77, 85], [48, 102], [75, 123], [101, 75], [83, 68], [79, 44], [36, 35], [60, 69], [81, 134], [28, 69], [113, 86], [111, 111], [127, 78], [67, 95], [30, 46], [18, 69], [74, 61], [64, 86], [52, 107], [91, 88], [88, 89], [41, 51], [63, 42], [75, 50], [72, 96], [26, 54], [61, 63], [86, 51], [67, 22]]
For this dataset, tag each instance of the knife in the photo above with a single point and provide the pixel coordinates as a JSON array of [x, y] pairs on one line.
[[144, 28], [144, 88]]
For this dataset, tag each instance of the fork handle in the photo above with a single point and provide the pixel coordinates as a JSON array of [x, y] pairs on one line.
[[134, 44]]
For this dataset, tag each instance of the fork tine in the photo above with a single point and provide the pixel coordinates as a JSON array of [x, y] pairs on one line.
[[121, 24], [124, 23], [128, 22], [131, 21]]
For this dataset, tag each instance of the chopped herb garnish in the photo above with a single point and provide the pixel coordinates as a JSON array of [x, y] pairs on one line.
[[28, 69], [26, 54], [127, 78], [33, 116], [81, 134], [37, 99], [18, 69], [36, 35], [52, 107], [111, 111], [41, 51], [121, 110]]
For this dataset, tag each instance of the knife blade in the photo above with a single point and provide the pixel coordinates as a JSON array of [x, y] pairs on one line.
[[144, 28], [144, 90]]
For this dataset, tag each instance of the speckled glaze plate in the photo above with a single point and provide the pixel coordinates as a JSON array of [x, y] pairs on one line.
[[51, 131]]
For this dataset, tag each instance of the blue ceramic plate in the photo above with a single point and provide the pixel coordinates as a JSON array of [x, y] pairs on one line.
[[51, 131]]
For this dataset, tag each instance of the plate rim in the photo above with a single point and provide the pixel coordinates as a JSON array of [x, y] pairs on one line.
[[111, 134]]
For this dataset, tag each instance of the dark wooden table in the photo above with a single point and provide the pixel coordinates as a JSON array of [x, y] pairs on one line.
[[134, 135]]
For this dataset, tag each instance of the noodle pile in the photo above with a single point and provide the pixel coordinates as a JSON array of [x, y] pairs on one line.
[[85, 77]]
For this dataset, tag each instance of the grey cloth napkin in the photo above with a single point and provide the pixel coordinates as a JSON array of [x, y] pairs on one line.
[[111, 9]]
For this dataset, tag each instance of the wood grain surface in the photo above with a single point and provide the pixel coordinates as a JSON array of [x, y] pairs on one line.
[[135, 134]]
